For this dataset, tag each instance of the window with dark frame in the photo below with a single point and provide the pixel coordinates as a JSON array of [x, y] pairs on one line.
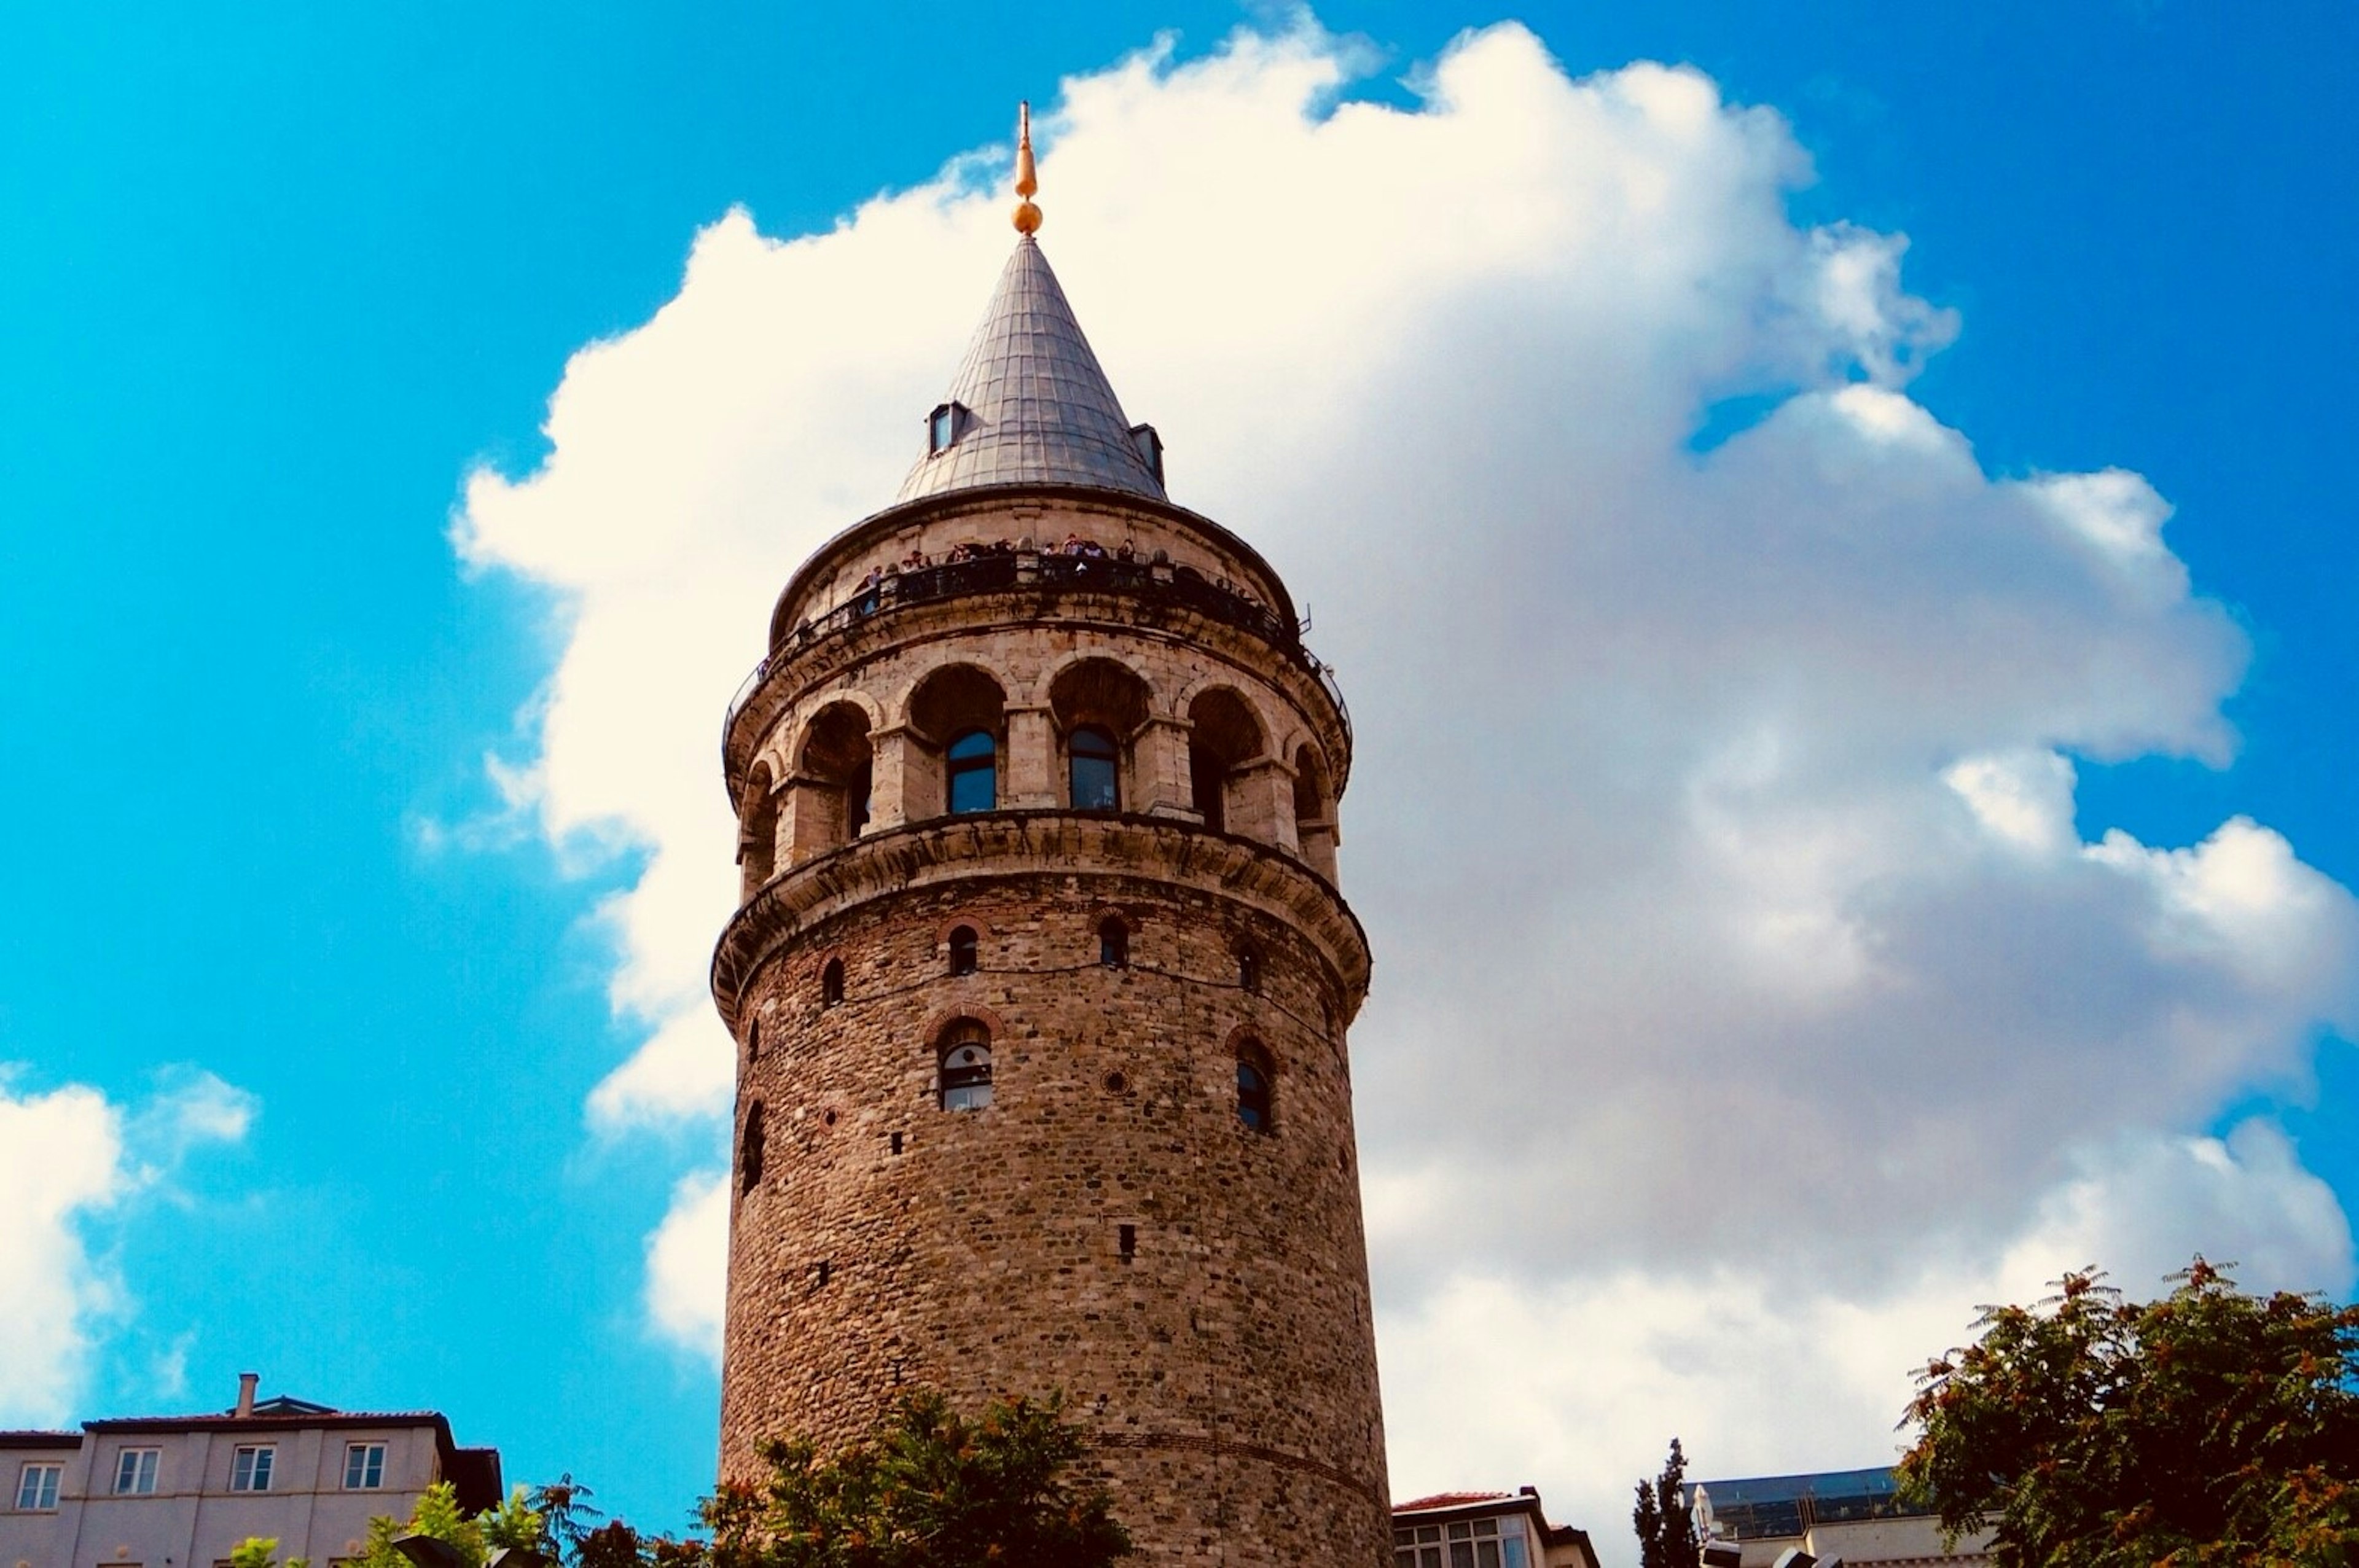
[[966, 951], [974, 772], [1114, 943], [1248, 970], [830, 983], [966, 1066], [1095, 771]]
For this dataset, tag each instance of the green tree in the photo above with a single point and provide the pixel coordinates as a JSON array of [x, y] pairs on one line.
[[2089, 1432], [438, 1514], [261, 1551], [932, 1489], [1666, 1537]]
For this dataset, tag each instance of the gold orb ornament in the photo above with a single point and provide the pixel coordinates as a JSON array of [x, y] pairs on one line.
[[1028, 216]]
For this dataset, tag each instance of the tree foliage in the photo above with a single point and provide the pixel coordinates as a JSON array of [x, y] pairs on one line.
[[2089, 1432], [261, 1551], [1666, 1537], [932, 1489]]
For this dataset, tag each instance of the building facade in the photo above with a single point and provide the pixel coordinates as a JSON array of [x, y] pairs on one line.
[[1042, 978], [1486, 1529], [1856, 1517], [181, 1491]]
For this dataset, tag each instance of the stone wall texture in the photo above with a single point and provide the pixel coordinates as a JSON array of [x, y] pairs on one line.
[[1108, 1226]]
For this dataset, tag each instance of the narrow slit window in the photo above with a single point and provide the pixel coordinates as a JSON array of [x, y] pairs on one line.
[[1114, 943], [830, 983], [966, 951], [1257, 1095], [749, 1156]]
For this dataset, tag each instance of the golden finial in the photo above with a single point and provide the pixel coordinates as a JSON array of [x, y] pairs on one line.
[[1028, 216]]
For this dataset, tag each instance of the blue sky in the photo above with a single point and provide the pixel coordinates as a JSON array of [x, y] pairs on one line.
[[281, 279]]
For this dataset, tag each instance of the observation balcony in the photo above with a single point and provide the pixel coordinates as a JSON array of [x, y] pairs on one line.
[[1020, 570]]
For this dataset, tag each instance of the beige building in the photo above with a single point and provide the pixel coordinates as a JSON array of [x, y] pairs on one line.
[[181, 1491], [1855, 1516], [1486, 1529], [1041, 975]]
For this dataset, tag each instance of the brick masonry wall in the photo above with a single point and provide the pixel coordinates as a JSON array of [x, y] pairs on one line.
[[1229, 1365]]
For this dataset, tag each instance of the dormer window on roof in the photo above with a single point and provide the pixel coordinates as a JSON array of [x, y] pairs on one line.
[[943, 425], [1150, 448]]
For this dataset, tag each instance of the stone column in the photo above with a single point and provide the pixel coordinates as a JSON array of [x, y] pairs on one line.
[[905, 775], [1030, 779], [1157, 782]]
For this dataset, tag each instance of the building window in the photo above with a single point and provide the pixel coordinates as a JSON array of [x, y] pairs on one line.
[[830, 983], [363, 1466], [250, 1468], [37, 1487], [966, 1066], [749, 1150], [974, 772], [943, 426], [1248, 970], [965, 951], [1257, 1095], [134, 1471], [1096, 769], [1114, 943]]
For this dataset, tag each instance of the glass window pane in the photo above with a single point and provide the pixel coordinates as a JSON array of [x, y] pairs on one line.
[[1514, 1544], [1095, 784], [1486, 1553], [1461, 1553]]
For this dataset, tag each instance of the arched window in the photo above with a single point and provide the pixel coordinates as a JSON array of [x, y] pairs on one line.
[[965, 950], [1096, 769], [1257, 1093], [1114, 943], [1249, 969], [974, 759], [749, 1150], [966, 1066], [830, 983]]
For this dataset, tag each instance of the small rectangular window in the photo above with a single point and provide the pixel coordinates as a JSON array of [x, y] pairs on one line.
[[250, 1468], [134, 1471], [37, 1487], [363, 1466]]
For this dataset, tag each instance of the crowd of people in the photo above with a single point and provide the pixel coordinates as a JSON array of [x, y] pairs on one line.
[[1074, 546]]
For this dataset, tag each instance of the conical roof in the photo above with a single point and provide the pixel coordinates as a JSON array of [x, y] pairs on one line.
[[1033, 406]]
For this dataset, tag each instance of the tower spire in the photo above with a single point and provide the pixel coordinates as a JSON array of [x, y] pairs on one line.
[[1028, 216]]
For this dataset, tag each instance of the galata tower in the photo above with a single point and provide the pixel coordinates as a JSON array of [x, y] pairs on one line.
[[1040, 977]]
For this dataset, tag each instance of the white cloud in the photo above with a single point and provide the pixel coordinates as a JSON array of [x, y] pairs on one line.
[[1747, 997], [686, 1257], [68, 1156]]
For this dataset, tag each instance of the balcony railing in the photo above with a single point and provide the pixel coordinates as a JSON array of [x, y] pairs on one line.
[[1005, 572]]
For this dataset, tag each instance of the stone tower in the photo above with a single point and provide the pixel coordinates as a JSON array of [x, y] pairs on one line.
[[1040, 978]]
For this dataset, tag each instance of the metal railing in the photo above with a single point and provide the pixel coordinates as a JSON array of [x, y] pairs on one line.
[[1008, 572]]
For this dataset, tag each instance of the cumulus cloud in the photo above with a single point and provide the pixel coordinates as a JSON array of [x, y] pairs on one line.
[[69, 1155], [1748, 1002], [686, 1257]]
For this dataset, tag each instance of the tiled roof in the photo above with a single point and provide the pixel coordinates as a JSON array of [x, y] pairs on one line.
[[1452, 1500], [1038, 410]]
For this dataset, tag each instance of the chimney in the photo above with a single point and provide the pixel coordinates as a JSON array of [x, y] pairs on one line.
[[245, 1386]]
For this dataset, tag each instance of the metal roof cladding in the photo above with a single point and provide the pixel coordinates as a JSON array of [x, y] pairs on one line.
[[1039, 410]]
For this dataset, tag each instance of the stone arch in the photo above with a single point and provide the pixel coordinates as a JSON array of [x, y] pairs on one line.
[[1225, 736], [1315, 829], [1098, 705], [757, 832], [833, 778], [954, 751]]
